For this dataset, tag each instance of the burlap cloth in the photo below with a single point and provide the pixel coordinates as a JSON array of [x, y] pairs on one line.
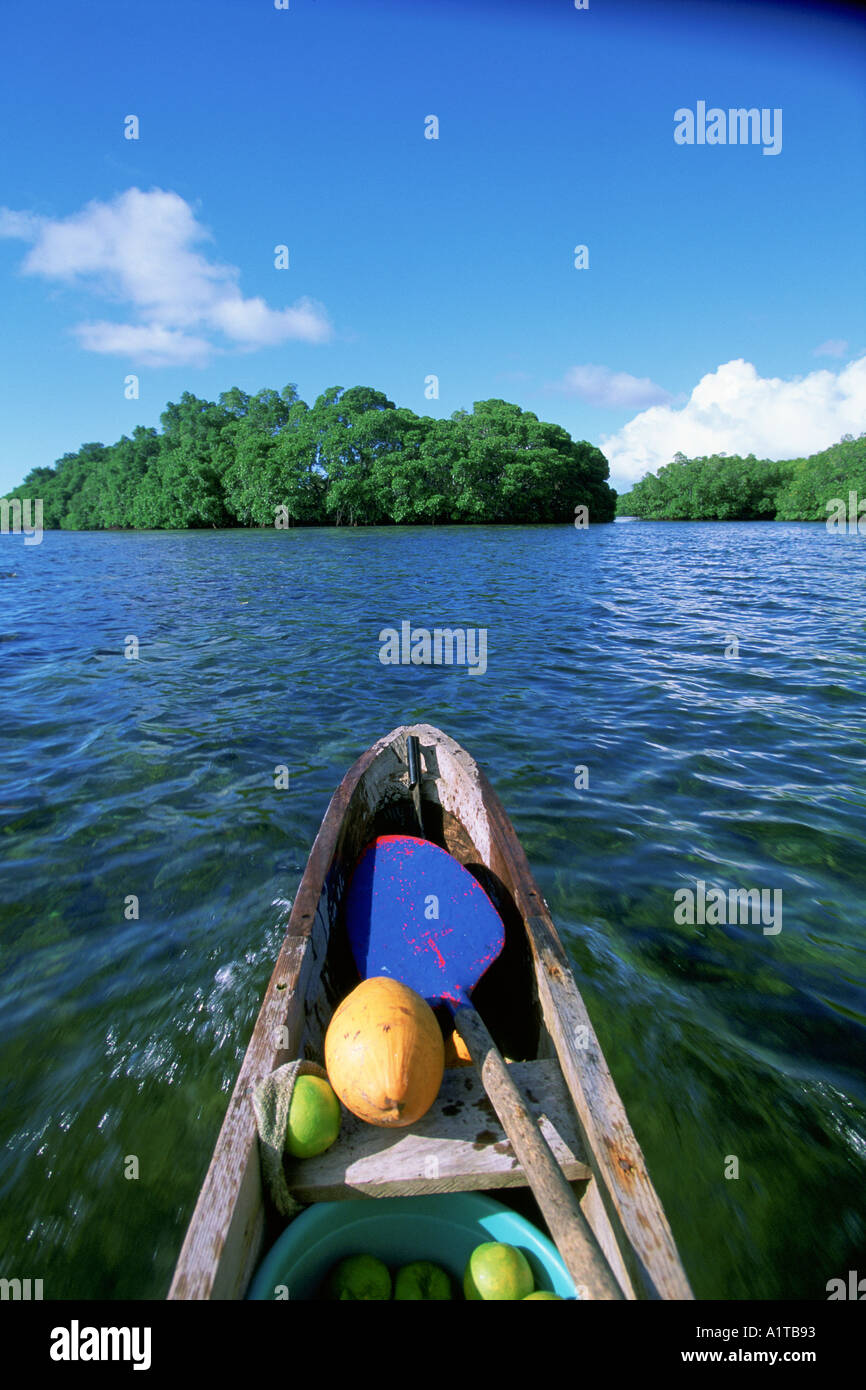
[[272, 1097]]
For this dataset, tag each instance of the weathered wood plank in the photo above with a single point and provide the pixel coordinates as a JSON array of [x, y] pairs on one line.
[[596, 1214], [458, 1146]]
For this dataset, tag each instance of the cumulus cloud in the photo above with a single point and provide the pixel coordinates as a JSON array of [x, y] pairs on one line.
[[140, 250], [251, 321], [834, 347], [605, 387], [149, 343], [733, 410]]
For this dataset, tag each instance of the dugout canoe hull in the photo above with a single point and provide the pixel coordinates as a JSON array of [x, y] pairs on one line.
[[535, 1012]]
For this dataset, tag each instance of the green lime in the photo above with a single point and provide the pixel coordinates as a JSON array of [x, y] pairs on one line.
[[422, 1281], [543, 1294], [359, 1277], [497, 1272], [314, 1118]]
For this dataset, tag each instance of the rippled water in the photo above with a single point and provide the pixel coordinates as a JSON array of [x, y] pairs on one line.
[[154, 777]]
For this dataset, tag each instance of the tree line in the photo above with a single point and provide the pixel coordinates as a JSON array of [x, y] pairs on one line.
[[352, 458], [730, 488]]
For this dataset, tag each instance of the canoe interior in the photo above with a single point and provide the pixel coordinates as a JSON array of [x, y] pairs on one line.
[[528, 999]]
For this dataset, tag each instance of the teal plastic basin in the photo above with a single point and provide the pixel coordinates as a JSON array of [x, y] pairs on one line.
[[399, 1230]]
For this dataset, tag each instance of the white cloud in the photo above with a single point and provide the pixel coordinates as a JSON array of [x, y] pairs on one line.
[[251, 321], [140, 250], [150, 343], [23, 225], [605, 387], [834, 347], [734, 410]]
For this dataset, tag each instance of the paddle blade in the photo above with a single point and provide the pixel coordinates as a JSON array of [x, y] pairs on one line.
[[414, 913]]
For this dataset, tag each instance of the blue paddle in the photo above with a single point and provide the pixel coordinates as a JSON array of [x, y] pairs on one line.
[[414, 913]]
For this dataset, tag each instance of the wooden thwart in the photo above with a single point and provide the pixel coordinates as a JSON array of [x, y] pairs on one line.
[[458, 1146]]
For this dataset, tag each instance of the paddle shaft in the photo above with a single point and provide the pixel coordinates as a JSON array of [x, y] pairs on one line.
[[574, 1239]]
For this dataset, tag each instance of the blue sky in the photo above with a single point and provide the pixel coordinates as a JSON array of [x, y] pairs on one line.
[[723, 304]]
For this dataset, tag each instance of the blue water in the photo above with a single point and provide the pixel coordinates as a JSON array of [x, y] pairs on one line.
[[710, 677]]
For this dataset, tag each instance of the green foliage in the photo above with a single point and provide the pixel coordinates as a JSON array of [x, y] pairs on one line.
[[815, 481], [353, 458], [730, 488]]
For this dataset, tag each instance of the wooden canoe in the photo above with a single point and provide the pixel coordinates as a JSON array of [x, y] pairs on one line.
[[530, 1000]]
